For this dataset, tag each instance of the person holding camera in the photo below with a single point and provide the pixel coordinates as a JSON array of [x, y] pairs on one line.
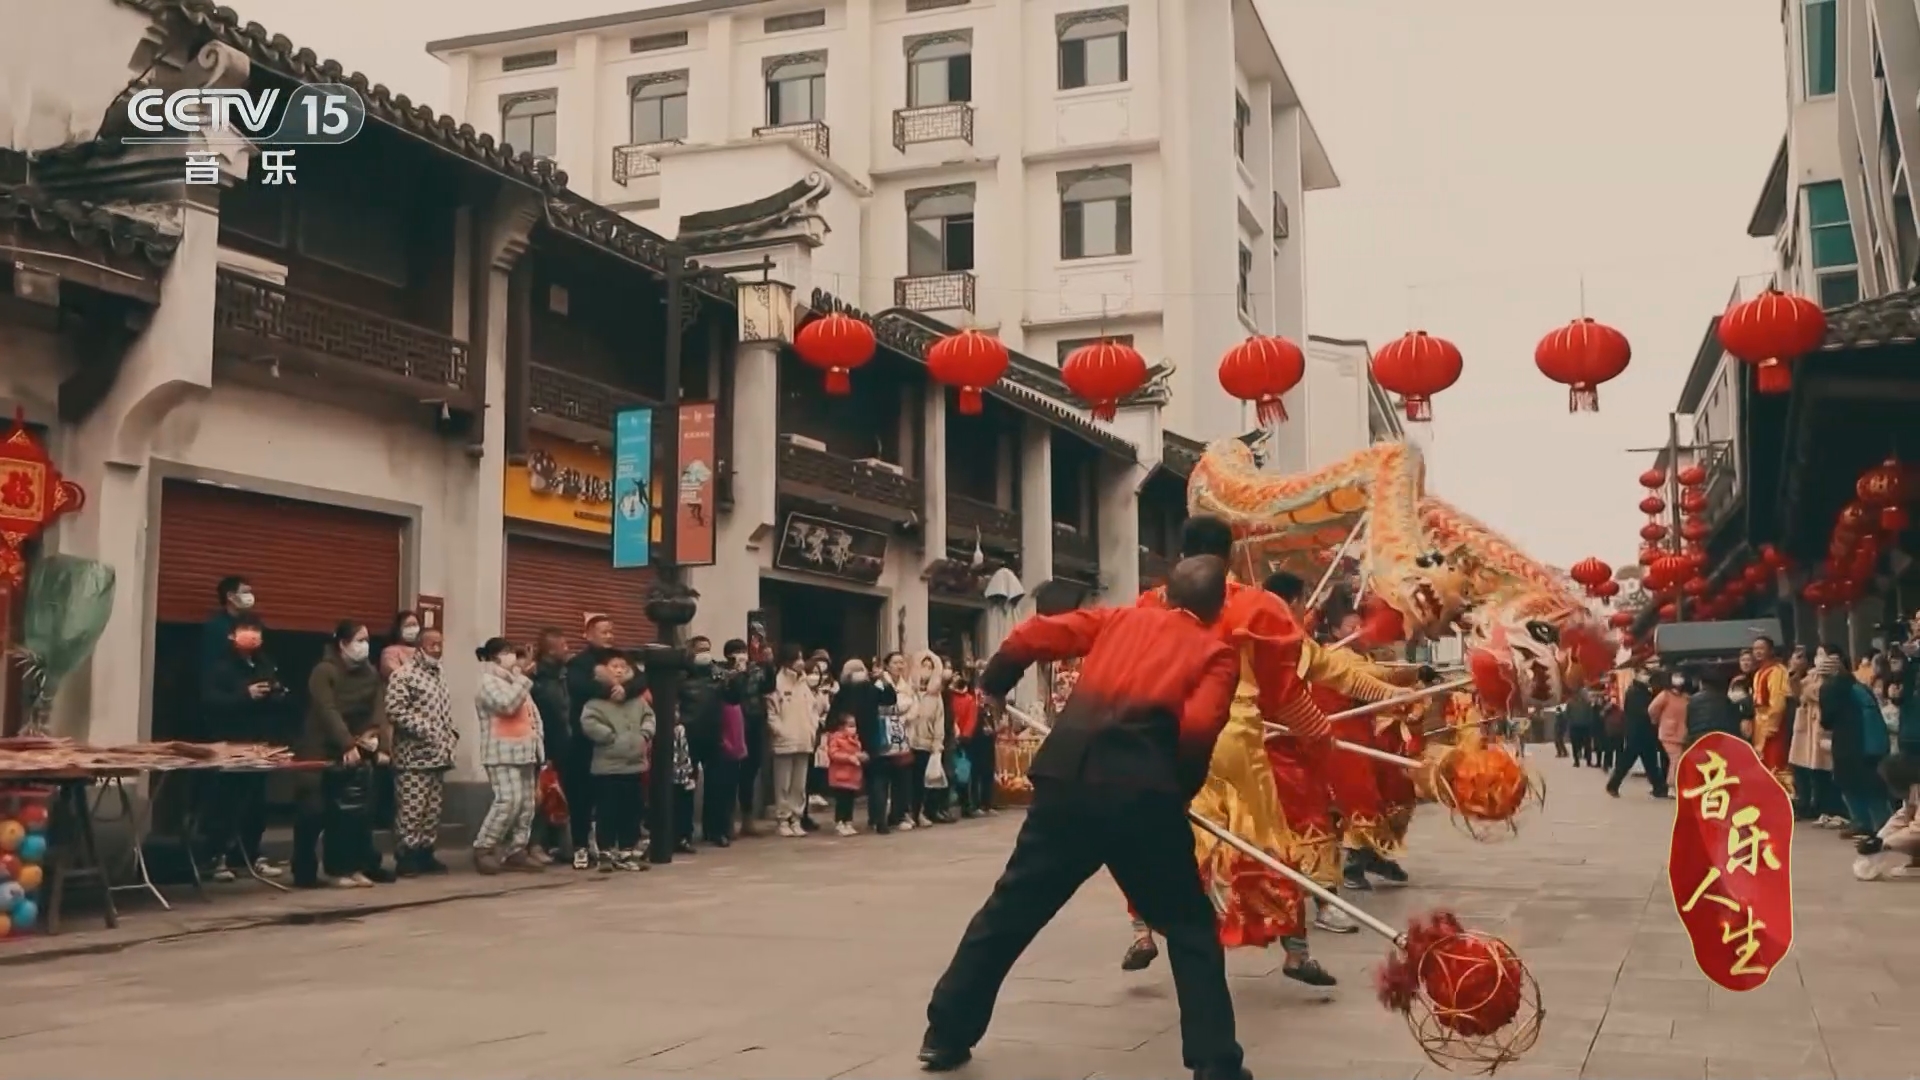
[[243, 701]]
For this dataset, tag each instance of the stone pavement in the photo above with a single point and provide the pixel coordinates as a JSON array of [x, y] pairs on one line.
[[813, 958]]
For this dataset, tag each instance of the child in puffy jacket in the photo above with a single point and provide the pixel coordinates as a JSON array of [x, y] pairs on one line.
[[846, 769], [622, 736]]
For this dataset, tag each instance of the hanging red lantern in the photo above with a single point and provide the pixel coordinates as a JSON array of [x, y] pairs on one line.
[[1757, 576], [32, 495], [1693, 528], [1695, 586], [836, 343], [1818, 593], [1591, 572], [1583, 354], [1883, 485], [1103, 372], [1669, 612], [1607, 589], [1853, 518], [1770, 331], [969, 360], [1653, 480], [1692, 476], [1649, 555], [1262, 369], [1620, 620], [1771, 557], [1693, 501], [1865, 562], [1653, 532], [1671, 570], [1417, 366], [1894, 519], [1652, 504]]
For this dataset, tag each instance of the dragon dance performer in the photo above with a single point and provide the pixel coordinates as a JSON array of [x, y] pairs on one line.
[[1111, 787], [1257, 906], [1368, 793], [1770, 693]]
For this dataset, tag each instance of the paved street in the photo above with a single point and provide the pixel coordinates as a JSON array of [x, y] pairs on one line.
[[812, 958]]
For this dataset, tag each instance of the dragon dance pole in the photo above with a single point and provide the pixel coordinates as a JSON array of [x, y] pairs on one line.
[[1326, 579], [1275, 731]]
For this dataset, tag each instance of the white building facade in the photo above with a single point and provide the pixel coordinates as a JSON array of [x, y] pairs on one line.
[[1051, 171]]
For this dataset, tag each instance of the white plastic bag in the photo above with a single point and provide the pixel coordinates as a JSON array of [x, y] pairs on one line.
[[936, 773]]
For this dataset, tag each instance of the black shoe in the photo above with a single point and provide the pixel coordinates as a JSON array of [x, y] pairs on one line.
[[937, 1058], [1872, 845], [1355, 879], [807, 824], [1662, 794], [431, 865], [880, 830], [1613, 792], [1388, 871], [1310, 972], [684, 847], [379, 874], [1140, 955], [721, 841], [406, 863], [1223, 1072]]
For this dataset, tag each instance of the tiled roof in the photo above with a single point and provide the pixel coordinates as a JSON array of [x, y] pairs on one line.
[[1179, 454], [911, 334], [1893, 319], [744, 221], [87, 224]]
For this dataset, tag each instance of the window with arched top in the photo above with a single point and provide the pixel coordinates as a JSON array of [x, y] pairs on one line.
[[939, 69], [1096, 212], [531, 122], [1093, 48], [658, 107], [797, 89]]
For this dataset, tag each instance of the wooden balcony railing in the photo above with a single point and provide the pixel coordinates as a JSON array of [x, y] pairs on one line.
[[996, 525], [264, 321], [817, 474], [577, 401], [954, 291], [1072, 549], [812, 134], [933, 123]]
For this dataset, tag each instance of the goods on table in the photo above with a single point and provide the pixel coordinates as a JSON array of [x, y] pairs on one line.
[[23, 854], [35, 754]]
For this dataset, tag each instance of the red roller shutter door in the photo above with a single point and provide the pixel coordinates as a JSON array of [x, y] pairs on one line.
[[553, 584], [310, 564]]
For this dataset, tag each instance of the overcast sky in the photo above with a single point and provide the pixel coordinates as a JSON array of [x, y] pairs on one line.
[[1493, 155]]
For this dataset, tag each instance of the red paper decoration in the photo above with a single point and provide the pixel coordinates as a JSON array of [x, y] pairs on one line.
[[1671, 570], [1583, 354], [836, 343], [1652, 504], [1692, 476], [1607, 589], [32, 495], [1653, 532], [1262, 369], [1693, 528], [1103, 372], [1591, 572], [1653, 480], [1620, 620], [1770, 331], [1757, 576], [969, 360], [1417, 366], [1883, 485], [1894, 519]]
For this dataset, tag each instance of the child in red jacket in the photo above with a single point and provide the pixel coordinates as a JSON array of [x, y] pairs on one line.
[[845, 769]]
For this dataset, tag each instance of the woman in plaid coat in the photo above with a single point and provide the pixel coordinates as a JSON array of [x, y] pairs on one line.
[[511, 749], [423, 741]]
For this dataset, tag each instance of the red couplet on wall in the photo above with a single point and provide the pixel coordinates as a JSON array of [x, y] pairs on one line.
[[1730, 861]]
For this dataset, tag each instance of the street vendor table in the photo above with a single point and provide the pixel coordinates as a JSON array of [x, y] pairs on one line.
[[73, 854]]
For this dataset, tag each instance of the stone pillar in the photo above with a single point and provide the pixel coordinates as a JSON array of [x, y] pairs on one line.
[[745, 536], [1118, 488], [1036, 525], [579, 136]]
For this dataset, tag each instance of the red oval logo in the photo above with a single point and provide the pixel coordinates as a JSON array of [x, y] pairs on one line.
[[1730, 861]]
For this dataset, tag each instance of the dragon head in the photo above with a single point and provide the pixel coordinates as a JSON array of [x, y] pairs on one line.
[[1429, 594], [1530, 652]]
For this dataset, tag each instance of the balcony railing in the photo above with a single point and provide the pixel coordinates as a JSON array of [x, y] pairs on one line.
[[933, 123], [637, 160], [831, 474], [575, 399], [1071, 547], [812, 134], [995, 525], [954, 291], [268, 321]]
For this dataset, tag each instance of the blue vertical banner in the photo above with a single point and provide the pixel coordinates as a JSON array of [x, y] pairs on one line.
[[632, 488]]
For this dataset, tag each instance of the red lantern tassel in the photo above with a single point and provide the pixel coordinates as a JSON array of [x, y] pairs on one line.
[[839, 382], [1582, 398], [970, 401], [1271, 411], [1105, 410], [1773, 377], [1419, 409]]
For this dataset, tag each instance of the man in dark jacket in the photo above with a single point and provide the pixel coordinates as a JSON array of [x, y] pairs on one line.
[[702, 693], [1582, 717], [1640, 742], [586, 682], [243, 701], [1709, 709], [549, 691], [1111, 786], [234, 597], [746, 682]]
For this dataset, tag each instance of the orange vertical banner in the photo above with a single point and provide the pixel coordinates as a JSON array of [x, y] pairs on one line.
[[694, 542], [1730, 861]]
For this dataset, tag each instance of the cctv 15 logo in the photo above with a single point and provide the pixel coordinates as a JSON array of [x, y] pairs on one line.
[[319, 115]]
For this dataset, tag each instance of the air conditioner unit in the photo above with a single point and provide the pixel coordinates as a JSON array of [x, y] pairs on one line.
[[883, 466], [803, 442]]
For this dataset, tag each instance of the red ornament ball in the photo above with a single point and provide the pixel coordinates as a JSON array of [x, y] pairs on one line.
[[1473, 982]]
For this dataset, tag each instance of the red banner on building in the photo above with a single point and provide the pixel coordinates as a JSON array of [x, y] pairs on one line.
[[1730, 862], [694, 540]]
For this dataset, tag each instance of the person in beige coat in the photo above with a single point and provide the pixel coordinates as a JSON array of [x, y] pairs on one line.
[[1811, 754], [793, 725], [924, 708]]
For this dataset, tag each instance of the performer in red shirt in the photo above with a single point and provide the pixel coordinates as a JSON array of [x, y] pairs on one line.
[[1111, 787]]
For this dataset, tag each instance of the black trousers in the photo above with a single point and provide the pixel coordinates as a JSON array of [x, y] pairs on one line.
[[843, 800], [886, 793], [719, 784], [333, 825], [1646, 751], [618, 801], [1071, 831], [1586, 745], [234, 818], [923, 800], [980, 764], [576, 782], [683, 814], [748, 773]]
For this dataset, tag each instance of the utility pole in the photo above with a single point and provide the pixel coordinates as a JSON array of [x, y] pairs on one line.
[[671, 605]]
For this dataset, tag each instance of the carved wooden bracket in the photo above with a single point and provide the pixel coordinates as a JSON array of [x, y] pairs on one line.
[[509, 225]]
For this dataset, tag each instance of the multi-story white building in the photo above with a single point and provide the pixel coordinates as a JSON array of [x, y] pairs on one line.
[[1838, 199], [1053, 171]]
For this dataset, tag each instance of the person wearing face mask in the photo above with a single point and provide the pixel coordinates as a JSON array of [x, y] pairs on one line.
[[234, 596], [749, 686], [403, 640], [549, 692], [1639, 740], [700, 703], [1851, 719], [792, 730], [1810, 754], [424, 736], [346, 728], [860, 697], [510, 751], [896, 705], [1713, 708], [587, 681], [244, 702], [1669, 715]]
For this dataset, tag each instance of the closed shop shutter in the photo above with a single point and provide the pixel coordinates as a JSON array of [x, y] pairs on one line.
[[311, 565], [554, 584]]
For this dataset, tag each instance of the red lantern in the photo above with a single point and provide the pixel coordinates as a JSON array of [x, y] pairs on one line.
[[1771, 330], [1262, 369], [1853, 518], [1817, 593], [1653, 480], [1694, 529], [1671, 570], [1771, 557], [1620, 620], [1669, 612], [1894, 519], [969, 360], [1757, 576], [1417, 366], [1607, 589], [1695, 586], [836, 343], [1591, 572], [1653, 532], [1692, 476], [1649, 555], [1102, 373], [1693, 501], [1583, 354], [32, 495], [1883, 485], [1652, 504]]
